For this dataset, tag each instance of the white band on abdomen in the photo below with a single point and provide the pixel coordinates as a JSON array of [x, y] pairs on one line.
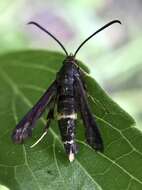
[[64, 116], [69, 142]]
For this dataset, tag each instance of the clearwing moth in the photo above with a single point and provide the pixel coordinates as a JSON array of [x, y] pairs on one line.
[[69, 93]]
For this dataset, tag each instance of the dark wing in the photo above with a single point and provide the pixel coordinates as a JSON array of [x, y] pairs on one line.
[[93, 135], [24, 127]]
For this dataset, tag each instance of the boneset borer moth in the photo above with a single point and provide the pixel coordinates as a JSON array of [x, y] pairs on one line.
[[68, 92]]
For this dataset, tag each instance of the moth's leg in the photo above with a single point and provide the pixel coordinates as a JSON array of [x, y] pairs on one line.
[[24, 128], [92, 133], [50, 116]]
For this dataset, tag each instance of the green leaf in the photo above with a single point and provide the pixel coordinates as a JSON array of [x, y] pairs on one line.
[[24, 76]]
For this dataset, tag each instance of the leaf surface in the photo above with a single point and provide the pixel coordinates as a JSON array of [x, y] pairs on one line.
[[24, 76]]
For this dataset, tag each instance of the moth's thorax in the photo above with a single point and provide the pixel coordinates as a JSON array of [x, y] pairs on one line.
[[68, 70]]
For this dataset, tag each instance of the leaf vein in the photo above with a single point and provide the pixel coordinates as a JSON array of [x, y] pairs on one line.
[[56, 163], [41, 67]]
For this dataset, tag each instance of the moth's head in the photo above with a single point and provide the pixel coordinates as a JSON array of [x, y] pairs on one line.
[[70, 59]]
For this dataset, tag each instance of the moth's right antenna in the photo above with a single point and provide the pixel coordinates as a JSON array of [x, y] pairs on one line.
[[43, 29], [102, 28]]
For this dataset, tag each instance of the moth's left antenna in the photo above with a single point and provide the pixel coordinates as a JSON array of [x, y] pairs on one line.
[[43, 29]]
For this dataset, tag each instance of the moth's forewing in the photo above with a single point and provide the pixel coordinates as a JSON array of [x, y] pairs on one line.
[[25, 126]]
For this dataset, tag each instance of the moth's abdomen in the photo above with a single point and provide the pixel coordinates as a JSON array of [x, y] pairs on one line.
[[66, 118], [67, 129]]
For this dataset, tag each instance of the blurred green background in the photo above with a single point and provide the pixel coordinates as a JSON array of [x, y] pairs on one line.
[[113, 56]]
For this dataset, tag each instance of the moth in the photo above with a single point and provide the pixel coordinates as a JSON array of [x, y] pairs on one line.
[[69, 93]]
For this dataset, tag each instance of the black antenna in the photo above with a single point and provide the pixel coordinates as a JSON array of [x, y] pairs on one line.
[[105, 26], [43, 29]]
